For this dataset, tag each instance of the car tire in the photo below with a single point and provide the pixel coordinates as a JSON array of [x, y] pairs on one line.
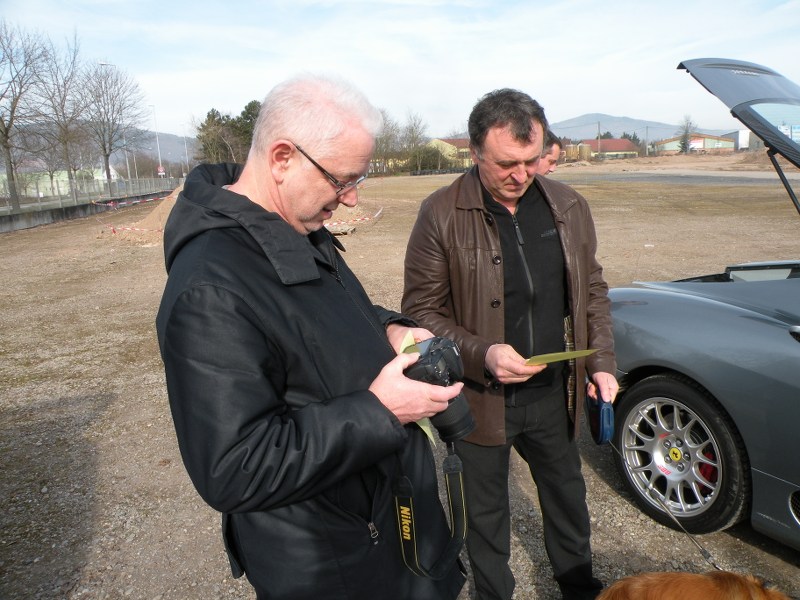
[[695, 466]]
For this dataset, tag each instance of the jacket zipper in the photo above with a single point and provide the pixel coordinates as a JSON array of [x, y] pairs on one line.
[[373, 529], [529, 279], [373, 533], [370, 319]]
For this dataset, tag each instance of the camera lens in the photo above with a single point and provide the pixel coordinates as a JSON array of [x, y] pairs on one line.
[[455, 421]]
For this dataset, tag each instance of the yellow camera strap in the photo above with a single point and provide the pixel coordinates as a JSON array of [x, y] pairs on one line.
[[406, 521]]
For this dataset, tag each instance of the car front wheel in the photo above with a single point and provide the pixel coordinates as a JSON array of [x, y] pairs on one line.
[[680, 452]]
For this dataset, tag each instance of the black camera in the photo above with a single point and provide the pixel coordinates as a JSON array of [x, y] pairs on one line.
[[440, 364]]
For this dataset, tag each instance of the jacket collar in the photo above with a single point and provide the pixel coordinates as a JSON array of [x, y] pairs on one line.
[[471, 196], [203, 205], [294, 255]]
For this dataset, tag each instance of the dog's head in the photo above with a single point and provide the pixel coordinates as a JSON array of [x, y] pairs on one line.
[[745, 586]]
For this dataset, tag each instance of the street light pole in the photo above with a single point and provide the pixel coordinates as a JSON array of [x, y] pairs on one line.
[[158, 146], [127, 162], [186, 155]]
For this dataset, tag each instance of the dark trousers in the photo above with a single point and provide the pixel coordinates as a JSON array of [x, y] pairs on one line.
[[541, 433]]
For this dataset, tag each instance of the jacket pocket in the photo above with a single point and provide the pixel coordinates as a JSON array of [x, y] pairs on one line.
[[357, 501]]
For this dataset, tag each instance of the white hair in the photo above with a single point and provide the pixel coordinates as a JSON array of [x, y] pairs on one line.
[[313, 111]]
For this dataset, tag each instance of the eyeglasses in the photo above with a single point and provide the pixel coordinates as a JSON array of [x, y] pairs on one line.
[[341, 186]]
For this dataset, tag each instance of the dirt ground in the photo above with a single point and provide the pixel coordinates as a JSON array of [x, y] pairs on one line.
[[96, 502]]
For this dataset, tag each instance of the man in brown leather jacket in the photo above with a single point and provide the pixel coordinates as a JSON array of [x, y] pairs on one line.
[[503, 263]]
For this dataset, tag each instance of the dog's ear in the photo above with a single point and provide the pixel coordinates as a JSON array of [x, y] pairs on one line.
[[768, 590], [771, 593]]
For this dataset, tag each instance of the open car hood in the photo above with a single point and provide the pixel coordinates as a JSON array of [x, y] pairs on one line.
[[765, 101]]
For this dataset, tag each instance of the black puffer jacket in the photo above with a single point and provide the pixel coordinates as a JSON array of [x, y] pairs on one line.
[[269, 344]]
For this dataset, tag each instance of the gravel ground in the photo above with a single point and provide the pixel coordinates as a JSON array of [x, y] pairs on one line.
[[96, 503]]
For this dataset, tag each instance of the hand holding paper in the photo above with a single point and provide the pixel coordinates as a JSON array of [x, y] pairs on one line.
[[544, 359]]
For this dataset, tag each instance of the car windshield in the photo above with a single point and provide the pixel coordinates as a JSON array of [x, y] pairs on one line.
[[784, 117]]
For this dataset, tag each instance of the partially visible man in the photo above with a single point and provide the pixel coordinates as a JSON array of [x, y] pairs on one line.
[[292, 412], [503, 262], [551, 153]]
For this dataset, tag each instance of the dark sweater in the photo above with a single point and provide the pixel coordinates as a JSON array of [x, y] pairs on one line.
[[534, 286]]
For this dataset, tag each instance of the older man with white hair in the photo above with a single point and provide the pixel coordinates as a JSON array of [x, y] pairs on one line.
[[293, 415]]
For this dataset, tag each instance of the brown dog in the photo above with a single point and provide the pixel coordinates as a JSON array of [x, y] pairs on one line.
[[715, 585]]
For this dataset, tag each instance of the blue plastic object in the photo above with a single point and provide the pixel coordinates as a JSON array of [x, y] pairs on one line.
[[600, 417]]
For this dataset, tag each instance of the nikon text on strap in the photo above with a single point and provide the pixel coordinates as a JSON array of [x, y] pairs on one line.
[[406, 523]]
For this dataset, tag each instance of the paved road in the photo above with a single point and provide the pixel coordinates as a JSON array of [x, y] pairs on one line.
[[670, 177]]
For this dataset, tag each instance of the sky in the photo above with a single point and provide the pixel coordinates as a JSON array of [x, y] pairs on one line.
[[429, 58]]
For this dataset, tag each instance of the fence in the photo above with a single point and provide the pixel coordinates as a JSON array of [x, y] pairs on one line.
[[36, 197]]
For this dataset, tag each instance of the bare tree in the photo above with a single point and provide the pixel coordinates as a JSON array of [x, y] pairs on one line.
[[113, 104], [63, 104], [414, 139], [387, 143], [46, 151], [21, 56], [20, 156], [29, 147], [84, 157], [685, 131]]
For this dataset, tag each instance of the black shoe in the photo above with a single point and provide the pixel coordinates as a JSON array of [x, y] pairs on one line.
[[587, 591]]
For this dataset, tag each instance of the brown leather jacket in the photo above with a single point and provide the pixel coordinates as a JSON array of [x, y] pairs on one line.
[[454, 287]]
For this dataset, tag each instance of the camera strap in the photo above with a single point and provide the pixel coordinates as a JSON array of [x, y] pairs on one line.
[[404, 505]]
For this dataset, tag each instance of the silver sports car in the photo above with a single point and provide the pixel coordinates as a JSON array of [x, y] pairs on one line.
[[708, 423]]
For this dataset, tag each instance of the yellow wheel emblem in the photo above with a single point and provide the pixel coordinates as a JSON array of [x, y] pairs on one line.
[[675, 454]]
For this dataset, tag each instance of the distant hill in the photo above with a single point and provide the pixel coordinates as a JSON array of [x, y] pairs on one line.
[[578, 128], [174, 151], [172, 146], [586, 127]]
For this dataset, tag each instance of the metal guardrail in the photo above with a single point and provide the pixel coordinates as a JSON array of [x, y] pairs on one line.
[[440, 171], [87, 192]]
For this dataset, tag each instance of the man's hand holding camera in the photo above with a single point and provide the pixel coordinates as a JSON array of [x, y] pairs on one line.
[[410, 400]]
